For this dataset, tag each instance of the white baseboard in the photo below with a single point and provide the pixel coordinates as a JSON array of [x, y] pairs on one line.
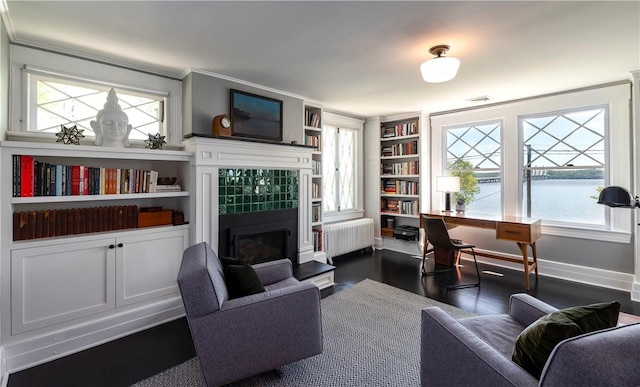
[[31, 351], [576, 273]]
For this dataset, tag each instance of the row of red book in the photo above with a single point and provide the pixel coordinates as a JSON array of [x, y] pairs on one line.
[[53, 223], [406, 207], [36, 178], [312, 119], [400, 187]]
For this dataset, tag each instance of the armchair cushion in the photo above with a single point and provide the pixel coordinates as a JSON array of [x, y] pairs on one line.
[[536, 342], [242, 280]]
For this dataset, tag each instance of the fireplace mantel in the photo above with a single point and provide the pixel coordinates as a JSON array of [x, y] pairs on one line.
[[213, 154]]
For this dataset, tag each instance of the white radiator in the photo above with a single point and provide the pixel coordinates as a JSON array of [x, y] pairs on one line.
[[345, 237]]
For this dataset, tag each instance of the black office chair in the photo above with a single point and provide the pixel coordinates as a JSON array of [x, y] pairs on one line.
[[437, 234]]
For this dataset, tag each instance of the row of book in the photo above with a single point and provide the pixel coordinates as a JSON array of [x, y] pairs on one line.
[[397, 206], [400, 149], [403, 129], [312, 119], [316, 167], [36, 178], [316, 212], [317, 240], [316, 191], [53, 223], [399, 187], [406, 168], [312, 140]]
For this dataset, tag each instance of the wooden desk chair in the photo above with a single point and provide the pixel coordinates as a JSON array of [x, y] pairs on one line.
[[437, 234]]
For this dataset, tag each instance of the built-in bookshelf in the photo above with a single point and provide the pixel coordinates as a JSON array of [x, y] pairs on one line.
[[312, 128], [399, 174], [76, 213]]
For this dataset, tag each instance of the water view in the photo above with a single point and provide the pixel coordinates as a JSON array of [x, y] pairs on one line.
[[565, 200]]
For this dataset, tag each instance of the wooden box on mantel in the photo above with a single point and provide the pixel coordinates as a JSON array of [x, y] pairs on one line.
[[155, 218]]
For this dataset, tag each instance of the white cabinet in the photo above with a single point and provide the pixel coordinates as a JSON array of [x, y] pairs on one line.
[[54, 284], [147, 265]]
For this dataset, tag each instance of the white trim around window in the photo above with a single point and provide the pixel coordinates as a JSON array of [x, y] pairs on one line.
[[619, 163], [70, 67]]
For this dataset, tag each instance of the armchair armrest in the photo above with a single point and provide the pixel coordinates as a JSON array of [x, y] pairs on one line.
[[603, 358], [273, 271], [526, 309], [448, 348]]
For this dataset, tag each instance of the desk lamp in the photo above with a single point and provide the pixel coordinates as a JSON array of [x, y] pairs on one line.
[[447, 184]]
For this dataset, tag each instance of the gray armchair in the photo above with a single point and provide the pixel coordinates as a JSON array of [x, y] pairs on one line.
[[242, 337], [476, 351]]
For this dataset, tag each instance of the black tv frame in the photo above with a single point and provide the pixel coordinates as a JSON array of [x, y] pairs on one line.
[[249, 122]]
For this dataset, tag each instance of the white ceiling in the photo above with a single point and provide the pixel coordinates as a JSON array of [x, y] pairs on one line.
[[355, 57]]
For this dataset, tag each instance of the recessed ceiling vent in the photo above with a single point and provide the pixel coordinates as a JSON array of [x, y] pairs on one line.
[[484, 98]]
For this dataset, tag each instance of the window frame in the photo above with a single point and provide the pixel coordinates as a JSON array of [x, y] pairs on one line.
[[607, 135], [617, 172], [445, 150], [356, 125], [25, 60]]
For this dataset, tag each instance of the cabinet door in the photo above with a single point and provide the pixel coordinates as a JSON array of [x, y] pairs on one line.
[[59, 283], [147, 265]]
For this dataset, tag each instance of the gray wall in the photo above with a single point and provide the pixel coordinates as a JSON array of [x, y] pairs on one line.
[[616, 257], [204, 97]]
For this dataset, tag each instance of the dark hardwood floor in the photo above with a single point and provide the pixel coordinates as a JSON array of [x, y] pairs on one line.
[[138, 356]]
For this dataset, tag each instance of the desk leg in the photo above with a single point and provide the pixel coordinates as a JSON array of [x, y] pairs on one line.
[[525, 261], [535, 257]]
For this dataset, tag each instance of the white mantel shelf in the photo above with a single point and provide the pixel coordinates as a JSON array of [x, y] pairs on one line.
[[212, 154]]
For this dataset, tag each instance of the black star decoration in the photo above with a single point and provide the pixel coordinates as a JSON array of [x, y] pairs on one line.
[[155, 141], [70, 135]]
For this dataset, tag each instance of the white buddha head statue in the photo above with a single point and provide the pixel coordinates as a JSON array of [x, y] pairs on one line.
[[111, 126]]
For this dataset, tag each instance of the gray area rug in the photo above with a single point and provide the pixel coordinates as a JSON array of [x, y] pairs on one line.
[[371, 337]]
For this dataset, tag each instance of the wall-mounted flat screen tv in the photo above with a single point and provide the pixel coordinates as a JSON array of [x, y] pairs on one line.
[[255, 116]]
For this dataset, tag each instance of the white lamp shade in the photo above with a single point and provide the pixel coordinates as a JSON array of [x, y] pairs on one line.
[[447, 183], [439, 69]]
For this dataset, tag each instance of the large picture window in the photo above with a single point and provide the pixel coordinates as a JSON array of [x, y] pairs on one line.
[[563, 158], [473, 153]]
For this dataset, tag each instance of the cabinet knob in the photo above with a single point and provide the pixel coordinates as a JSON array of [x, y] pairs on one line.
[[112, 246], [120, 245]]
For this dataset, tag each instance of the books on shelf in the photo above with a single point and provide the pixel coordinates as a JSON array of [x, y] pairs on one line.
[[317, 240], [399, 187], [400, 149], [316, 212], [399, 206], [312, 140], [62, 222], [316, 167], [402, 129], [312, 119], [33, 177], [406, 168], [168, 188]]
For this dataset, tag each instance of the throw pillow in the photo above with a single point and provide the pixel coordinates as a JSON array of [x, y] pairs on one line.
[[242, 280], [536, 342]]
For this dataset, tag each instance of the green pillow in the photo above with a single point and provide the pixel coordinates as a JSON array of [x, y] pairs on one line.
[[536, 342], [242, 280]]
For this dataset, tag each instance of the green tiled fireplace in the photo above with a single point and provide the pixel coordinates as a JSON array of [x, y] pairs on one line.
[[253, 190]]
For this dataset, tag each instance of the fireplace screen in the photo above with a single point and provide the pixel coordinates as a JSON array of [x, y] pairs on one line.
[[261, 247]]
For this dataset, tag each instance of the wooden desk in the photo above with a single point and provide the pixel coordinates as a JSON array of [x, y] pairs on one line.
[[523, 231]]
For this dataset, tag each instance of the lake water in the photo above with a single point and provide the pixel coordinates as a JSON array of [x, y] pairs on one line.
[[559, 200]]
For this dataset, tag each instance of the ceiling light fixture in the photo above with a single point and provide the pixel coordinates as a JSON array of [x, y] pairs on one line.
[[440, 68]]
